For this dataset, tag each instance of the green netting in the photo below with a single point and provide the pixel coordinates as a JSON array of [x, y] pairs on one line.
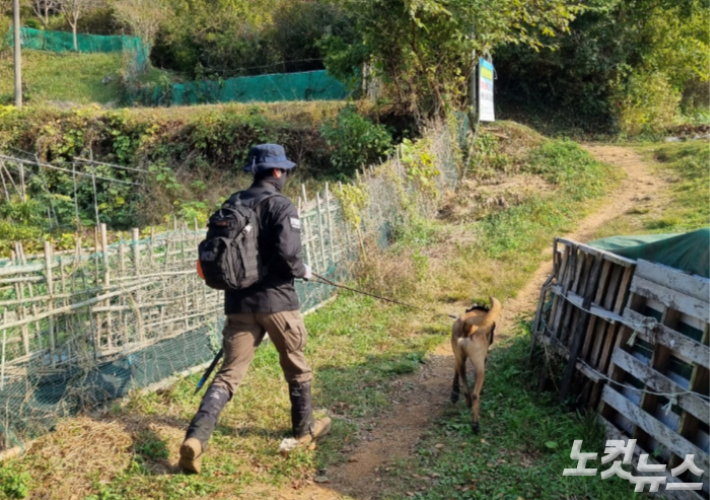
[[63, 41], [689, 252], [306, 86]]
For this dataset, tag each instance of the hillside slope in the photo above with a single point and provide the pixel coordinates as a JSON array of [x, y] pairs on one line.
[[65, 79]]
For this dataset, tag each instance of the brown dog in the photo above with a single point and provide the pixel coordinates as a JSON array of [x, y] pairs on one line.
[[471, 336]]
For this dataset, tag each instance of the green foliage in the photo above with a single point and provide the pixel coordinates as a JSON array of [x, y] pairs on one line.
[[648, 104], [566, 164], [354, 141], [610, 50], [193, 158], [487, 160], [423, 48], [150, 446], [353, 200], [420, 164], [14, 484], [227, 38]]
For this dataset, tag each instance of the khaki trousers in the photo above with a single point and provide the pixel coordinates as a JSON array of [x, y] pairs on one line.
[[243, 333]]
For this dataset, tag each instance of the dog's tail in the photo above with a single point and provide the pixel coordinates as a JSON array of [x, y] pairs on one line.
[[488, 320]]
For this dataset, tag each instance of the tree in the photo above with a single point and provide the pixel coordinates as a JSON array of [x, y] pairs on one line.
[[425, 49], [143, 16], [613, 54], [43, 9], [72, 10]]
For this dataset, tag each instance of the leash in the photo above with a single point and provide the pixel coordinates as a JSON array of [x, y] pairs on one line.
[[325, 281]]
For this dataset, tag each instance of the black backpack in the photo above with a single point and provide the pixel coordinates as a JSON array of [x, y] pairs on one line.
[[229, 255]]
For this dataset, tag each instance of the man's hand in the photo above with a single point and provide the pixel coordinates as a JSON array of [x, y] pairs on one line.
[[309, 274]]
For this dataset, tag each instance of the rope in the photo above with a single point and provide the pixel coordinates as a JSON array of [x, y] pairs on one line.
[[648, 323]]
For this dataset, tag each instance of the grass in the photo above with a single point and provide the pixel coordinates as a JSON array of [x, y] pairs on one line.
[[66, 79], [683, 206], [359, 348], [522, 451], [63, 78]]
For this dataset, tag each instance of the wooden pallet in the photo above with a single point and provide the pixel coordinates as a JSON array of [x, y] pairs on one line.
[[628, 332], [579, 312], [670, 355]]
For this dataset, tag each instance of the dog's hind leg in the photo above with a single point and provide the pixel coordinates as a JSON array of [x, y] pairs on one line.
[[455, 389], [480, 377], [461, 373]]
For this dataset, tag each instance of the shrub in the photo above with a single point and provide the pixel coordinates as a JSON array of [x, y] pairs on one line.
[[649, 104], [354, 140], [13, 484]]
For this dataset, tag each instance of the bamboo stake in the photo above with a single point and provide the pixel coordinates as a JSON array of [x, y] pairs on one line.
[[21, 167], [122, 258], [167, 251], [4, 341], [97, 281], [50, 302], [329, 217], [96, 202], [63, 280], [136, 252], [76, 200], [304, 226], [19, 293], [321, 237], [9, 176], [151, 249], [104, 251], [4, 187], [107, 282]]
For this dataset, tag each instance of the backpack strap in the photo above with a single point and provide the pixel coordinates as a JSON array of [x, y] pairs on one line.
[[260, 198]]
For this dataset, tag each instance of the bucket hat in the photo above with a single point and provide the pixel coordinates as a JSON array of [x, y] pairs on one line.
[[266, 157]]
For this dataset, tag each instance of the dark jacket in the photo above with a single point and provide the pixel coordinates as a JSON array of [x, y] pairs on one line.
[[280, 252]]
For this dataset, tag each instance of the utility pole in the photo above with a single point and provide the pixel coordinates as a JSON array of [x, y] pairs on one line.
[[17, 53]]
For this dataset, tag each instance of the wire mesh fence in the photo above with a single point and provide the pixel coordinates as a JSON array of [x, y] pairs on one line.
[[80, 328]]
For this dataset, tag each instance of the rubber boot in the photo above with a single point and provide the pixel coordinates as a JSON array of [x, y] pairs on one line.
[[201, 428], [305, 428]]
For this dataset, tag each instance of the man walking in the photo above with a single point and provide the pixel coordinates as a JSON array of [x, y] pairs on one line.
[[269, 306]]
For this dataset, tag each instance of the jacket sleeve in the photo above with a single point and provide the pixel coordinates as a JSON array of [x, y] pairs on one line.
[[287, 235]]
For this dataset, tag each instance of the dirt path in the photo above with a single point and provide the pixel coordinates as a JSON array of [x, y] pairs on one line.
[[638, 185], [396, 433]]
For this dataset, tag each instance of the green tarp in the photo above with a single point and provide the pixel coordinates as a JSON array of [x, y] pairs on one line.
[[689, 252]]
